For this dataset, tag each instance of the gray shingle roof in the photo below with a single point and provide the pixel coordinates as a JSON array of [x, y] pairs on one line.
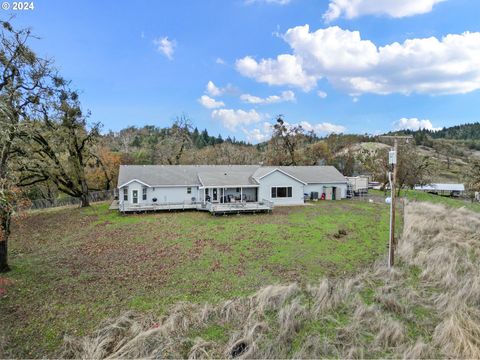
[[227, 175], [158, 174], [222, 175], [315, 174]]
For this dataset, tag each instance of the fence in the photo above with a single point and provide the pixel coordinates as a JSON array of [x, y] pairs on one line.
[[93, 197]]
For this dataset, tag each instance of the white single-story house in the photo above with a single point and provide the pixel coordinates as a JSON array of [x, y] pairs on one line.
[[225, 188]]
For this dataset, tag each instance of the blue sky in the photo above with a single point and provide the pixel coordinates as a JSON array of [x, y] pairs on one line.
[[378, 65]]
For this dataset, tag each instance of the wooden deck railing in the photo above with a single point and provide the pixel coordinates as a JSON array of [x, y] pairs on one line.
[[263, 205]]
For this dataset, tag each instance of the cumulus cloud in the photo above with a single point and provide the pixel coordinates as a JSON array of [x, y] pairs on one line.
[[214, 90], [272, 99], [322, 94], [395, 8], [450, 65], [258, 134], [231, 118], [165, 46], [325, 127], [414, 124], [284, 70], [209, 102]]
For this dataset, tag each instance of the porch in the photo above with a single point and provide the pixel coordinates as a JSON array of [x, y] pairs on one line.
[[238, 207], [213, 208], [228, 195]]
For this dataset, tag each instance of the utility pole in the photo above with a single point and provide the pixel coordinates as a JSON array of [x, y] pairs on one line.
[[392, 159], [392, 178]]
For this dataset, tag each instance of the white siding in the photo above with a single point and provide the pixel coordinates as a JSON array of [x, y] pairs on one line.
[[172, 194], [276, 179], [320, 188]]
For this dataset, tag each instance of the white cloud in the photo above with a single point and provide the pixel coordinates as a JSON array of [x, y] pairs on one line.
[[414, 124], [450, 65], [322, 94], [395, 8], [209, 102], [220, 61], [324, 127], [232, 118], [165, 46], [284, 96], [355, 99], [257, 135], [214, 90], [284, 70]]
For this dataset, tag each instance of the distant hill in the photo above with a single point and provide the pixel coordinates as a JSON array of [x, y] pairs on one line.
[[457, 132]]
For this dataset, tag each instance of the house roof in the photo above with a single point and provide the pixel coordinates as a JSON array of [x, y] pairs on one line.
[[222, 175], [158, 175], [227, 175], [441, 187], [263, 172], [315, 174]]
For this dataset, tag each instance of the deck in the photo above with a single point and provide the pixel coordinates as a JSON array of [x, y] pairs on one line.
[[213, 208], [237, 208]]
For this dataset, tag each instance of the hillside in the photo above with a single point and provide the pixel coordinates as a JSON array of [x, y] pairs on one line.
[[457, 132]]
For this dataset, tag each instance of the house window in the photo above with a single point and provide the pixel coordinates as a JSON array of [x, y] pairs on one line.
[[125, 194], [144, 193], [189, 190], [238, 190], [282, 192]]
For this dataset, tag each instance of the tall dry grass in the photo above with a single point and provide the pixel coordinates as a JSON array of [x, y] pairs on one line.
[[426, 307]]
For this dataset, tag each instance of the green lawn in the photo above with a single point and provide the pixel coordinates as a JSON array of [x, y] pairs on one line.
[[413, 195], [73, 268]]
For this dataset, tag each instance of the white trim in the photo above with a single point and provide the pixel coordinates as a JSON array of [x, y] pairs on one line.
[[328, 182], [157, 186], [285, 173], [228, 186], [134, 180]]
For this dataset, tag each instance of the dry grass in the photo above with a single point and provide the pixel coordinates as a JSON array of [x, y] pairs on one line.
[[427, 307]]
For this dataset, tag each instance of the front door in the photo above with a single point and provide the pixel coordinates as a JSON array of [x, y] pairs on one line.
[[135, 196], [215, 194]]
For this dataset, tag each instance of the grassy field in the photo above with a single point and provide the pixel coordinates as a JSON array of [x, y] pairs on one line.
[[421, 196], [425, 307], [72, 268]]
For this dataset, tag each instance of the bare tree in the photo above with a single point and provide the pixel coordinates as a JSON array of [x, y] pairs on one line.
[[60, 145], [413, 168], [22, 77], [285, 144], [176, 142]]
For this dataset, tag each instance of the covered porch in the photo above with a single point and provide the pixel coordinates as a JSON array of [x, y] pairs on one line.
[[228, 194]]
